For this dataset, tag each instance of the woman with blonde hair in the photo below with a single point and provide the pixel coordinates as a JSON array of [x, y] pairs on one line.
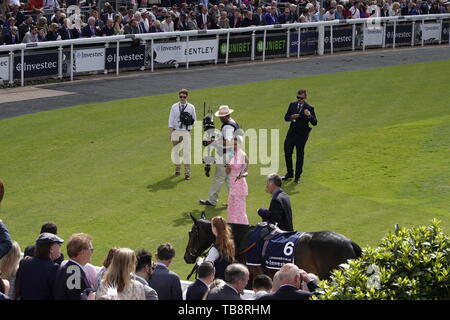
[[120, 276], [223, 251], [395, 11], [9, 265], [117, 25]]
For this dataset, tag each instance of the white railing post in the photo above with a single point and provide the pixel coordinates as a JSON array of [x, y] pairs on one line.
[[331, 40], [395, 33], [353, 36], [22, 69], [384, 35], [187, 52], [423, 27], [11, 67], [321, 40], [228, 48], [71, 62], [217, 56], [264, 45], [60, 62], [117, 57], [299, 43], [413, 33], [288, 47], [253, 46], [440, 31], [152, 60]]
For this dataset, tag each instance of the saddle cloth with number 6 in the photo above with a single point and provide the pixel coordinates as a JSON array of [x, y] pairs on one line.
[[273, 248]]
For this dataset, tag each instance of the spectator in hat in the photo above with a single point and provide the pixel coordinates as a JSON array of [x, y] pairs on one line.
[[49, 227], [166, 283], [197, 290], [9, 265], [36, 275], [144, 270], [71, 280]]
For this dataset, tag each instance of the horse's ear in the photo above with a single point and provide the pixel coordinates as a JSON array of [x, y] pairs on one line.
[[203, 215], [193, 218]]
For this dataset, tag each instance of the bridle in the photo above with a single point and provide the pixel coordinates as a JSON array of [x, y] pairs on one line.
[[193, 252]]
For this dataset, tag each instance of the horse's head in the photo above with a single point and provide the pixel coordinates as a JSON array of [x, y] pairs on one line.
[[200, 238]]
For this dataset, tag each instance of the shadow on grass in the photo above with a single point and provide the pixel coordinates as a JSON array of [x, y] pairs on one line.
[[165, 184], [291, 187]]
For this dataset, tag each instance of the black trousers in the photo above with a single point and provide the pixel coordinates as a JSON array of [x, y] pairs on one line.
[[298, 142]]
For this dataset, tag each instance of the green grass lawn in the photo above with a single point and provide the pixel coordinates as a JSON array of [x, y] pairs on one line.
[[380, 155]]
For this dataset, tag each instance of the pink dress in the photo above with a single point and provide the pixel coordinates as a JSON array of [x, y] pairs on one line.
[[237, 211]]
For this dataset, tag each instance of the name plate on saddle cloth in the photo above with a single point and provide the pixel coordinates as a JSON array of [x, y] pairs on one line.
[[280, 250]]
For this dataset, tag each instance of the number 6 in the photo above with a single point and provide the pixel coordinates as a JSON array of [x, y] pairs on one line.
[[288, 248]]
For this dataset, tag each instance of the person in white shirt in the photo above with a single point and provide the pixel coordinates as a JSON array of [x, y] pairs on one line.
[[354, 11], [179, 132], [167, 24]]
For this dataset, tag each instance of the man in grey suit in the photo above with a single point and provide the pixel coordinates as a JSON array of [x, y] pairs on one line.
[[166, 283], [236, 279]]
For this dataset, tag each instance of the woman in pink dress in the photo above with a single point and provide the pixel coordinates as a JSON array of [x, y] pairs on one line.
[[237, 170]]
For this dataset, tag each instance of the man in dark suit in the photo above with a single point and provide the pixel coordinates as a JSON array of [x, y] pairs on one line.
[[279, 211], [236, 279], [166, 283], [48, 227], [291, 277], [13, 37], [203, 18], [206, 274], [71, 280], [299, 114], [90, 30]]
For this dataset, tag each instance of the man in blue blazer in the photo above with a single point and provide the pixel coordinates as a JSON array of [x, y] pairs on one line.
[[166, 283], [300, 114], [206, 274]]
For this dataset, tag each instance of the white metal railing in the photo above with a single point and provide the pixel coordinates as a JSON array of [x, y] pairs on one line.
[[148, 39]]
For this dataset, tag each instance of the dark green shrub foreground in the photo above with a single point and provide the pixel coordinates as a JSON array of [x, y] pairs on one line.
[[409, 264]]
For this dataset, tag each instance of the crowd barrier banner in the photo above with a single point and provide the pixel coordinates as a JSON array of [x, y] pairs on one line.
[[239, 46], [87, 60], [4, 68], [129, 57], [431, 31], [69, 57], [373, 36], [403, 34], [179, 52], [342, 38], [308, 42], [276, 45], [36, 65]]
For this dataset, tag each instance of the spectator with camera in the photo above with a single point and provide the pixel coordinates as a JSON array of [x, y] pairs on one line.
[[181, 119]]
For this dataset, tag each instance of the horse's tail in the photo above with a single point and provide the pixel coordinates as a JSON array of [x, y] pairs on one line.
[[356, 249]]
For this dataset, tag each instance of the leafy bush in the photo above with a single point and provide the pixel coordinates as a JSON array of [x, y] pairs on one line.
[[409, 264]]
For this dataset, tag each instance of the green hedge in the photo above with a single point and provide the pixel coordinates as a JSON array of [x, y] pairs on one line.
[[409, 264]]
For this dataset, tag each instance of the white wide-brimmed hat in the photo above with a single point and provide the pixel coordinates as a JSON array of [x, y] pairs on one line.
[[223, 111]]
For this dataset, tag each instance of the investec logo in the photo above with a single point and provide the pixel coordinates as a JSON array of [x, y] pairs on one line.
[[127, 57], [89, 55], [37, 66], [343, 39], [398, 35]]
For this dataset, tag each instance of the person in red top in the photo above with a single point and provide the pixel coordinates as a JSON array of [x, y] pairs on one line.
[[36, 6]]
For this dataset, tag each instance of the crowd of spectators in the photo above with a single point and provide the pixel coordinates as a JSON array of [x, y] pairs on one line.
[[39, 20], [41, 273]]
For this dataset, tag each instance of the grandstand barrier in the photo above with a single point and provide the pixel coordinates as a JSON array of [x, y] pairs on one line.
[[152, 51]]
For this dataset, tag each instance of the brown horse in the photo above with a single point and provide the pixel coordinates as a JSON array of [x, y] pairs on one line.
[[315, 252]]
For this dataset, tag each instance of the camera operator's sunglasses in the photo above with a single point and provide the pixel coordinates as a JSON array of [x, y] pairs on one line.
[[301, 98], [183, 97]]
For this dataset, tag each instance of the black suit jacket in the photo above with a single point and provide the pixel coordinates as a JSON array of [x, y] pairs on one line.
[[288, 293], [279, 212], [61, 291], [86, 32], [259, 21], [66, 33], [166, 283], [200, 21], [223, 293], [196, 290], [234, 23], [300, 126]]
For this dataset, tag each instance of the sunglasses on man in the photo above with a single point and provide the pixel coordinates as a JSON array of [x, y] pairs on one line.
[[301, 98], [183, 97]]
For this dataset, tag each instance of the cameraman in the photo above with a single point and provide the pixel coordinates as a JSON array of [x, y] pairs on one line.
[[224, 146], [182, 117]]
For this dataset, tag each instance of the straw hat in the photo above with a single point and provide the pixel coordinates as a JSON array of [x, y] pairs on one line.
[[223, 111]]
